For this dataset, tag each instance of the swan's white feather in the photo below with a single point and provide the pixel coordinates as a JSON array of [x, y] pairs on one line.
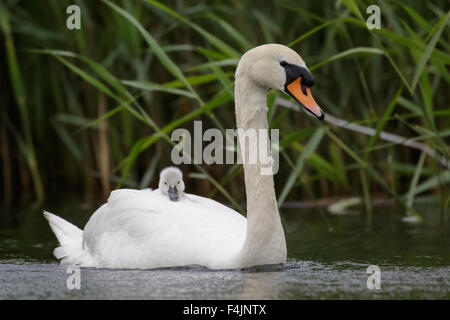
[[70, 238], [144, 229]]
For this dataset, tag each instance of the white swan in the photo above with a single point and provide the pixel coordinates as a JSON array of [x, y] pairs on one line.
[[142, 229]]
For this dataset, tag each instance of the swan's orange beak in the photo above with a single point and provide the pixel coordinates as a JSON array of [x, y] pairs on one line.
[[303, 95]]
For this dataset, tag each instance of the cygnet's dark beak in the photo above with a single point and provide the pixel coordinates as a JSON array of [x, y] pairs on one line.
[[173, 193]]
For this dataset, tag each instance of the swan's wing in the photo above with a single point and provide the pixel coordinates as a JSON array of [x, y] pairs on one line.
[[144, 228]]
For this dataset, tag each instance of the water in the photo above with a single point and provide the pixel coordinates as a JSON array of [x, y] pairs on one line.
[[323, 264]]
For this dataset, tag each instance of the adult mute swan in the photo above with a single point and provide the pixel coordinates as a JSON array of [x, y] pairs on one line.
[[143, 229]]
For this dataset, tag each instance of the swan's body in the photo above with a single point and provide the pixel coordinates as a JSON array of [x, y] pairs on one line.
[[144, 229]]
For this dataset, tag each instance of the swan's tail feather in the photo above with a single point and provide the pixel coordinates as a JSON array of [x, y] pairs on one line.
[[70, 239]]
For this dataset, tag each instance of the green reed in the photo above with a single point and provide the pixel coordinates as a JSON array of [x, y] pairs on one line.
[[94, 108]]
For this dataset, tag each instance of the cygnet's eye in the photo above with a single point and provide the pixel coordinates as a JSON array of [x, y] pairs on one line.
[[283, 63], [178, 182], [165, 183]]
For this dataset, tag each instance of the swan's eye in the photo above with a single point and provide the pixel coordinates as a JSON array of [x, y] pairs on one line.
[[283, 63], [165, 183], [178, 182]]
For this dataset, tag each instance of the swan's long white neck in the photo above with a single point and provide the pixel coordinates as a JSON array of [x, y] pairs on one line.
[[265, 242]]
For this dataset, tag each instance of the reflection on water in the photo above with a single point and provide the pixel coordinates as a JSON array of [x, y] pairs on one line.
[[414, 262]]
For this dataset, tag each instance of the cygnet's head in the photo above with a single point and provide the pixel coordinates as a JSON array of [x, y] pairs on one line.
[[171, 183]]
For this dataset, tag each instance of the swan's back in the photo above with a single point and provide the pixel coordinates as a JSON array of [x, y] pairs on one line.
[[144, 229]]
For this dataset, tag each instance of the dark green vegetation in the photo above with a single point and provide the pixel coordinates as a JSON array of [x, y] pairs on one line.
[[90, 110]]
